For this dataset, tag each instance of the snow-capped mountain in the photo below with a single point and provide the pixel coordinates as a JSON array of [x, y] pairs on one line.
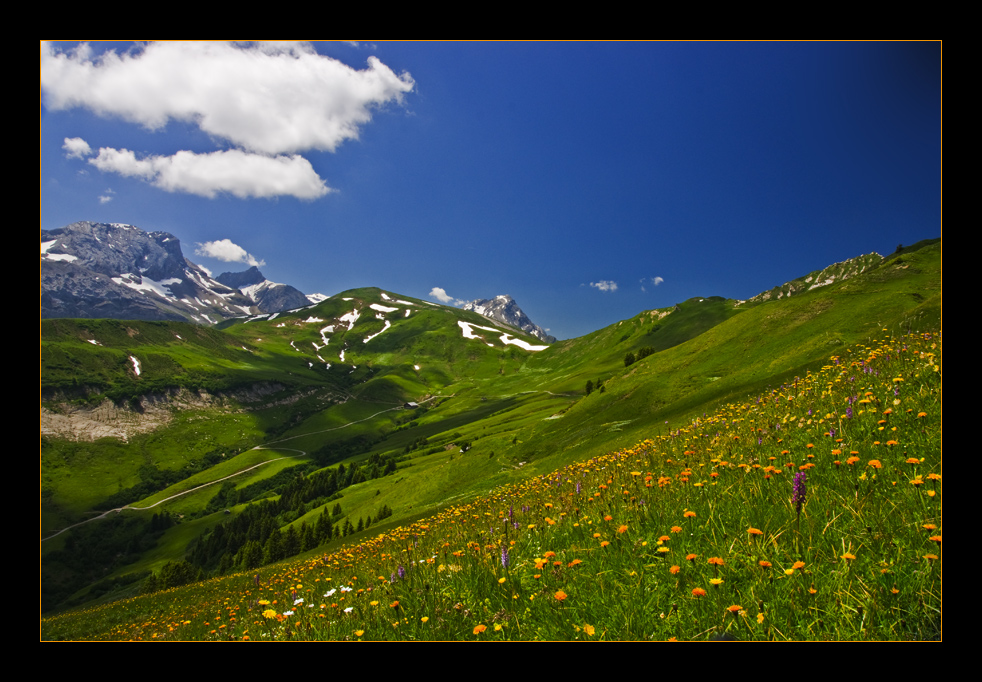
[[269, 297], [111, 270], [504, 309]]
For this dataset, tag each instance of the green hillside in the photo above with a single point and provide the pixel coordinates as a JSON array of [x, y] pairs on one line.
[[415, 417]]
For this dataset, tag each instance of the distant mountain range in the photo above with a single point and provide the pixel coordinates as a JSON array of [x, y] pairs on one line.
[[116, 271], [111, 270]]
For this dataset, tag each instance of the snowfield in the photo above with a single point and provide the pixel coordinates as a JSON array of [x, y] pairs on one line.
[[468, 330]]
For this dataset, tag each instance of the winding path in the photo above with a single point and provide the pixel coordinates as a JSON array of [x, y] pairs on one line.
[[237, 473]]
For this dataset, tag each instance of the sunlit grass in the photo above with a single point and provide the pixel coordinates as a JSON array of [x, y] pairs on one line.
[[689, 535]]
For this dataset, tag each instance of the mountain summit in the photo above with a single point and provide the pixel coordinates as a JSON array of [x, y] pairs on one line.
[[504, 309], [269, 297], [112, 270]]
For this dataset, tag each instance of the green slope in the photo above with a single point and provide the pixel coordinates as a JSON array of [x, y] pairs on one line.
[[521, 412]]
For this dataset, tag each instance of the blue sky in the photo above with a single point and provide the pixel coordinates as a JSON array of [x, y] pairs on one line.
[[590, 181]]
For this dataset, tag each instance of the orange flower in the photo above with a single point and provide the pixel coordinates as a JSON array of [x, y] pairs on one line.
[[689, 514], [716, 561], [698, 592], [848, 556], [755, 531], [765, 564], [674, 569], [560, 595], [622, 529], [479, 629], [875, 463], [676, 529], [691, 557], [735, 609], [798, 564]]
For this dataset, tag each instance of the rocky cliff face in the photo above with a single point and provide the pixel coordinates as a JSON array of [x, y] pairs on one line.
[[111, 270]]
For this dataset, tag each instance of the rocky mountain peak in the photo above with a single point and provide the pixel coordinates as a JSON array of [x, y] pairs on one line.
[[504, 309]]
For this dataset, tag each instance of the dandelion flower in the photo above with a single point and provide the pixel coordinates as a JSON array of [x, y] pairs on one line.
[[798, 564], [589, 630], [674, 570], [698, 592], [755, 531], [560, 595], [479, 629], [848, 556], [716, 561], [735, 609]]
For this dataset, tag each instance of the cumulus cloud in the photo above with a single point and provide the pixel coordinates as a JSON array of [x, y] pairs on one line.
[[604, 285], [273, 98], [441, 295], [654, 280], [76, 148], [228, 251], [234, 171]]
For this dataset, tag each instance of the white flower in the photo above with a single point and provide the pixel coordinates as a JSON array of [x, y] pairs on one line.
[[345, 588], [349, 609], [288, 613], [299, 601], [330, 593]]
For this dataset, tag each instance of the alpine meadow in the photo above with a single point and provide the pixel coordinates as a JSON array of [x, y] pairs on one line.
[[766, 470], [593, 341]]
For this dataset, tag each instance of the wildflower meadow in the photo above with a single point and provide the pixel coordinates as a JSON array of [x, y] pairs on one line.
[[811, 512]]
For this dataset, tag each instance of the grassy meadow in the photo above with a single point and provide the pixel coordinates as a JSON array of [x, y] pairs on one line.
[[809, 511]]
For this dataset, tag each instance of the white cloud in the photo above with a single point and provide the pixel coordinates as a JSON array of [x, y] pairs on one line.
[[654, 280], [105, 199], [272, 98], [76, 148], [604, 285], [234, 171], [228, 251], [441, 295]]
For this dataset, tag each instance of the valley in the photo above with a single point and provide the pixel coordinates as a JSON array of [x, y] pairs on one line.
[[399, 407]]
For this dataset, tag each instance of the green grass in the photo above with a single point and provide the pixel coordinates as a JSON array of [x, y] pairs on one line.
[[689, 536], [524, 413]]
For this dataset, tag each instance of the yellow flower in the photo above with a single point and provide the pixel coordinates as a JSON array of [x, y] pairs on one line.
[[848, 556], [359, 633], [589, 630]]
